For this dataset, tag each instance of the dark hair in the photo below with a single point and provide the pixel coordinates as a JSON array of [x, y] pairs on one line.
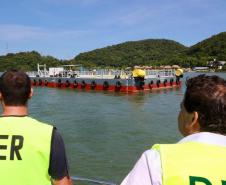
[[207, 96], [15, 87]]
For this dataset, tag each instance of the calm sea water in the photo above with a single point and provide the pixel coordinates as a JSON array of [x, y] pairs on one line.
[[105, 133]]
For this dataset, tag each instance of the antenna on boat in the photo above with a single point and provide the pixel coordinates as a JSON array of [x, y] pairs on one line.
[[43, 71], [6, 50], [7, 47]]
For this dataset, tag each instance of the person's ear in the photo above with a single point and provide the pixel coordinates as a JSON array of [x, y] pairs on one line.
[[31, 93], [193, 126], [0, 96]]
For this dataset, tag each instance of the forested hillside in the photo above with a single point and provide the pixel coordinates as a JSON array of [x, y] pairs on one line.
[[26, 61], [145, 52], [157, 52], [214, 47]]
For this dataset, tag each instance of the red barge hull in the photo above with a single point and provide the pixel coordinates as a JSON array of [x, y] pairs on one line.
[[114, 85]]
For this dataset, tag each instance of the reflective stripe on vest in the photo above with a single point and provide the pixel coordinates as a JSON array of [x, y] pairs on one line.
[[192, 163], [24, 151]]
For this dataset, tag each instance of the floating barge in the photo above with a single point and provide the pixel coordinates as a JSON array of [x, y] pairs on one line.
[[106, 80]]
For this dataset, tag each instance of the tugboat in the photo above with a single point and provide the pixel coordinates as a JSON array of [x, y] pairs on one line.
[[128, 81]]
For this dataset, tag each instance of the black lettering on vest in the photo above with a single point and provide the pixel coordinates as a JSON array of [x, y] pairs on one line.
[[3, 147], [15, 148], [194, 179]]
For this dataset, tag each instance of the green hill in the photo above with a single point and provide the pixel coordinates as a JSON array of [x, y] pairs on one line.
[[144, 52], [26, 61], [157, 52], [213, 47]]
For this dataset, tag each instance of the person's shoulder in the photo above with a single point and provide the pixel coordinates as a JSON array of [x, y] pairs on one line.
[[147, 169], [32, 121], [152, 153], [35, 120], [149, 157], [57, 136]]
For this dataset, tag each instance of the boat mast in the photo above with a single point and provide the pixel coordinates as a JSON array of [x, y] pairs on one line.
[[42, 72]]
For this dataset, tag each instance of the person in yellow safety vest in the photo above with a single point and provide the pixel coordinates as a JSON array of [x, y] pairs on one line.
[[200, 157], [31, 152]]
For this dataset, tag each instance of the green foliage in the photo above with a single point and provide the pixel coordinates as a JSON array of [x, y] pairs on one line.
[[26, 61], [151, 52], [211, 48], [156, 52], [145, 52]]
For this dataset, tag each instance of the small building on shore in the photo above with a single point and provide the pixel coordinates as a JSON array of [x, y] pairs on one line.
[[201, 69], [216, 64]]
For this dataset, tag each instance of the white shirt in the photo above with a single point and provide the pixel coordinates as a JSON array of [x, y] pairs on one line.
[[148, 171]]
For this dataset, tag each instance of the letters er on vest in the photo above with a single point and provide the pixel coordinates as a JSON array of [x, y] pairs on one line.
[[16, 143]]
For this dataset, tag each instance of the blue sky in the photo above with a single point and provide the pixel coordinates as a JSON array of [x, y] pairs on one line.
[[65, 28]]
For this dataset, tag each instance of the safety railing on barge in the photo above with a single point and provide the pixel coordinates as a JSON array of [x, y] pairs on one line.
[[105, 74]]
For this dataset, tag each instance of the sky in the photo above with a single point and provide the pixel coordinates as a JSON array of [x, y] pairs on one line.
[[65, 28]]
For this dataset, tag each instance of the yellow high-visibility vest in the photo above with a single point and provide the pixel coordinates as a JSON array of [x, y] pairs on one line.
[[192, 163], [24, 151]]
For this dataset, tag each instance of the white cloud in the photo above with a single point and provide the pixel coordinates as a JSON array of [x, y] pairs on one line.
[[65, 2], [134, 17], [154, 13], [137, 14], [20, 32]]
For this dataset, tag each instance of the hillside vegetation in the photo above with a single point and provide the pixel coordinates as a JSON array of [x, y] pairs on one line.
[[26, 61], [145, 52], [214, 47], [154, 52]]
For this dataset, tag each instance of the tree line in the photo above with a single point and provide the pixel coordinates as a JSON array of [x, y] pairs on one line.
[[150, 52]]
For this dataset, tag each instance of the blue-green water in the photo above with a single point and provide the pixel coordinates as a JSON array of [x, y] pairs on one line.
[[105, 133]]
